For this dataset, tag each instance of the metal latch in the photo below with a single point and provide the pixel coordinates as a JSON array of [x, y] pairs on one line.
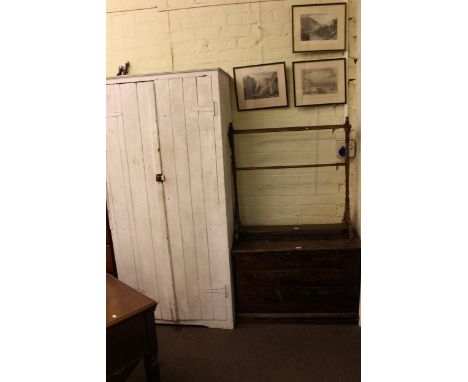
[[160, 178]]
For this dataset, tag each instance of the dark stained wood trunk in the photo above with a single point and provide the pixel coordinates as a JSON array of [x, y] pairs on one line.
[[297, 273]]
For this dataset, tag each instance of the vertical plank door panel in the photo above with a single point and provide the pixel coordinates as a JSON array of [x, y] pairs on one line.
[[117, 196], [150, 142], [198, 196], [212, 207], [184, 195], [111, 125], [127, 184], [165, 115], [137, 179]]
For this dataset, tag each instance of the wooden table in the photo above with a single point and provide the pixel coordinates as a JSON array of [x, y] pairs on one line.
[[131, 330]]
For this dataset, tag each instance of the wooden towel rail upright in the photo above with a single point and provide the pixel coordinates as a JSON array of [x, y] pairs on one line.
[[347, 128]]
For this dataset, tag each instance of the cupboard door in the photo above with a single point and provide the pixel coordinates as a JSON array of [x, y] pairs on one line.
[[135, 199], [196, 229]]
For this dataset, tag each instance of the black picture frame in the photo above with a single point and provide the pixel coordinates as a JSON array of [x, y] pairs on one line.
[[321, 45], [320, 98], [259, 103]]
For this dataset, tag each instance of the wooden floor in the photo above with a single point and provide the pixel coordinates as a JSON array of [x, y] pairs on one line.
[[257, 353], [288, 273]]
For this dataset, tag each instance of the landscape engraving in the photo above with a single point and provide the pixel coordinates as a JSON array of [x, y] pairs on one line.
[[260, 85], [319, 81], [319, 26]]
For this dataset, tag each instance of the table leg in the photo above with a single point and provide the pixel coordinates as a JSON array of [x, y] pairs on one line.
[[152, 368]]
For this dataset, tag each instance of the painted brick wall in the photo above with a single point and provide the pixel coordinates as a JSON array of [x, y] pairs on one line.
[[166, 35]]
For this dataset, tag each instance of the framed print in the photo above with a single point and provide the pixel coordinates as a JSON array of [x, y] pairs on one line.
[[261, 86], [319, 82], [319, 27]]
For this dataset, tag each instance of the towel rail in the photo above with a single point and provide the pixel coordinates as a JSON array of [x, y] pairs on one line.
[[347, 128]]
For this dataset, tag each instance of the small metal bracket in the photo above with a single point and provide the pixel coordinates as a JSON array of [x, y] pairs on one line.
[[210, 108], [160, 178], [123, 69], [218, 291]]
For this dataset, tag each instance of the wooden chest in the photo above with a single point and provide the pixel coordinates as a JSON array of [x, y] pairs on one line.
[[290, 273]]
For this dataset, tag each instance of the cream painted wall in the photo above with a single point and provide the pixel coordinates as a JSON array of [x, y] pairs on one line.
[[171, 35]]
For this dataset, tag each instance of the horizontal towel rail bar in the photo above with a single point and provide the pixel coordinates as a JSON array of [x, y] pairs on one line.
[[292, 166], [289, 129]]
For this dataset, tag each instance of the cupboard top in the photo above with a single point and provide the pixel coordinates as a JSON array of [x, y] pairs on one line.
[[151, 76]]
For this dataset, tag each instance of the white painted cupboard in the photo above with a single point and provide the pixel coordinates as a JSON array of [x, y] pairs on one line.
[[172, 237]]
